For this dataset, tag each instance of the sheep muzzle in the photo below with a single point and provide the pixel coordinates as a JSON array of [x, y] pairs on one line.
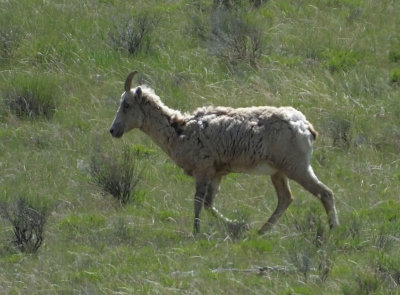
[[116, 130]]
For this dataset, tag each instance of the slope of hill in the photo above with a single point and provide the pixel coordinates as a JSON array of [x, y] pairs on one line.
[[62, 67]]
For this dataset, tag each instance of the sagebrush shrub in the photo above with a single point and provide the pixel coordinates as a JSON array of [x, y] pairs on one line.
[[235, 39], [131, 34], [115, 175], [28, 224], [340, 130]]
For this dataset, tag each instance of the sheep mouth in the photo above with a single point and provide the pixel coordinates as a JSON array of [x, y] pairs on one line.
[[118, 134]]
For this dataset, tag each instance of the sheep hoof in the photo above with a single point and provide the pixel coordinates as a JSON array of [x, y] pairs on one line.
[[266, 227], [196, 226]]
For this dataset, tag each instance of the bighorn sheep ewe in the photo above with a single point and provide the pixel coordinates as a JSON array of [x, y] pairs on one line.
[[214, 141]]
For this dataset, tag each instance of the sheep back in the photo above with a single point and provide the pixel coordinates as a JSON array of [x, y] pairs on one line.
[[234, 140]]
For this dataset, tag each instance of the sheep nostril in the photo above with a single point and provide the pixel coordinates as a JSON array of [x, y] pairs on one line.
[[112, 131]]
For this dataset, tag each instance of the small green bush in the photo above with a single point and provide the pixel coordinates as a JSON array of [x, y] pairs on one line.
[[340, 60], [395, 76], [31, 96]]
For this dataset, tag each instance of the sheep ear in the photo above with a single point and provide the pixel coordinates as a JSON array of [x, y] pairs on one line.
[[139, 92], [128, 81]]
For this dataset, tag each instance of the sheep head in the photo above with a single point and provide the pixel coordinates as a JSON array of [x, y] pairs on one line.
[[129, 114]]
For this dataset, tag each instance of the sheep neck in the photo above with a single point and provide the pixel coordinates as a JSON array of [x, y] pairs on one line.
[[158, 126]]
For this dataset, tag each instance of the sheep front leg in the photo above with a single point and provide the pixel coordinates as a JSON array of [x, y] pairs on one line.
[[200, 195]]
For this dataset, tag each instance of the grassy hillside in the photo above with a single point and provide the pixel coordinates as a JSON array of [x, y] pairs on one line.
[[62, 67]]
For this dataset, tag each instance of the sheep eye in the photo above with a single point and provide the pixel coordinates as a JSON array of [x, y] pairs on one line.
[[125, 105]]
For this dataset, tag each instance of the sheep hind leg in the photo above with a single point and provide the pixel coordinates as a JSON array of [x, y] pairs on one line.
[[311, 183], [214, 211], [212, 191], [281, 185]]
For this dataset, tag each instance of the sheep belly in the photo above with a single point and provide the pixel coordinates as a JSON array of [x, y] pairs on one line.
[[262, 168]]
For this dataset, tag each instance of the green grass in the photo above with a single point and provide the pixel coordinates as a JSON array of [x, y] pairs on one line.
[[336, 61]]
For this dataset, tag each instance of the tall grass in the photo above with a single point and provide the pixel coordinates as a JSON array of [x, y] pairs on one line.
[[31, 96]]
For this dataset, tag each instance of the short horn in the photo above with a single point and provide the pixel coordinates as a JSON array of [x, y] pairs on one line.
[[128, 81]]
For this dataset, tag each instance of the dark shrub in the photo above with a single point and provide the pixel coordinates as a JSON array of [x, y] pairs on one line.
[[28, 224], [115, 175], [131, 34]]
